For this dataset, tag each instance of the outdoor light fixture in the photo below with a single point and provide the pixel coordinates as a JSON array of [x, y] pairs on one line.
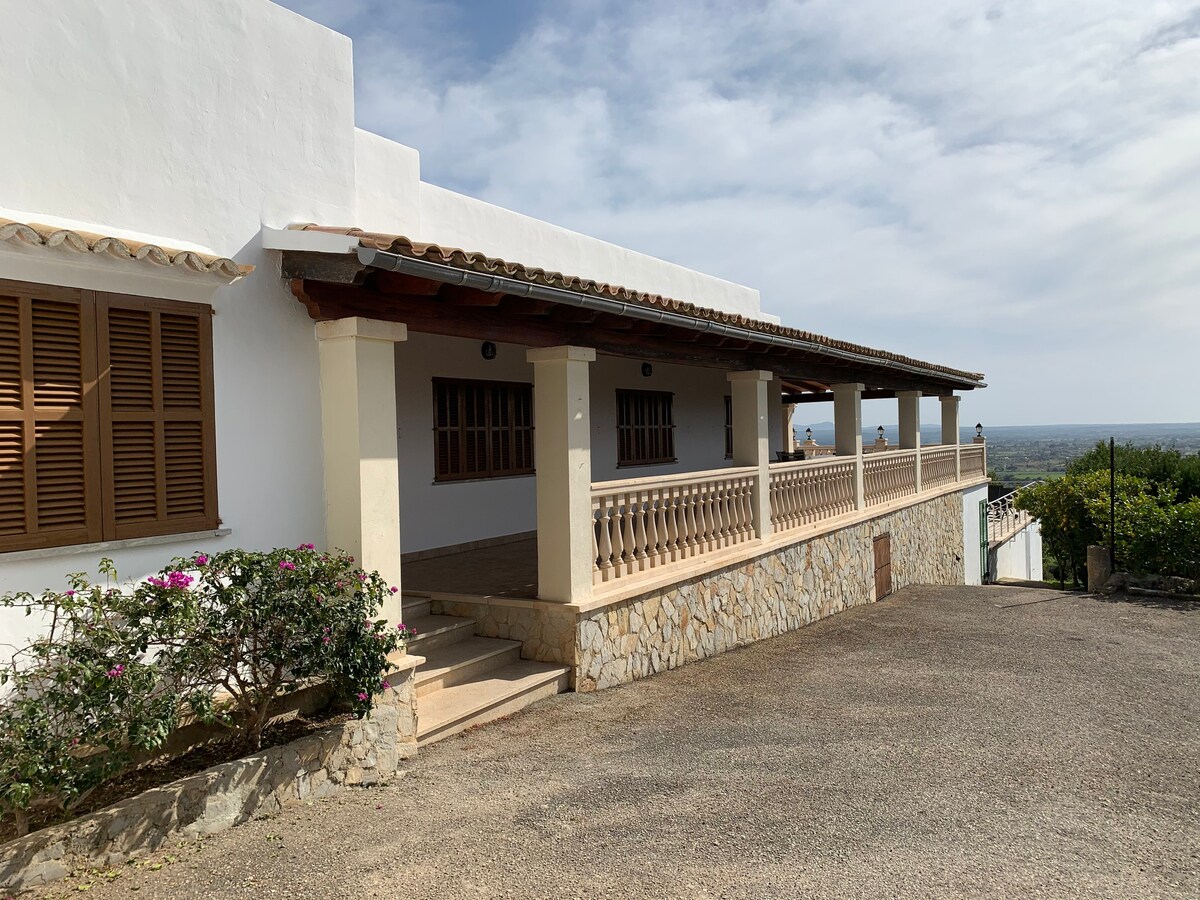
[[879, 431], [488, 350], [647, 370], [808, 433], [978, 429]]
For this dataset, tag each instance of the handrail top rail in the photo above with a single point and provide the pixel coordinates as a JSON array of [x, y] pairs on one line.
[[889, 454], [815, 462], [1008, 498], [680, 478]]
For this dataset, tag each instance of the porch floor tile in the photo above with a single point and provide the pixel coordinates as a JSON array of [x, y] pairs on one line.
[[507, 570]]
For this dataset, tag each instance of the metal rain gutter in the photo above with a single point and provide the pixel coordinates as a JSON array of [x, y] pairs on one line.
[[498, 284]]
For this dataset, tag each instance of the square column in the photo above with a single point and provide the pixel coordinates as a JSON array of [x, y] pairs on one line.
[[950, 430], [751, 439], [358, 431], [847, 428], [910, 427], [789, 436], [562, 447]]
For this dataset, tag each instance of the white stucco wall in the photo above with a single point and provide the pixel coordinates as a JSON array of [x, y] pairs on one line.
[[193, 124], [1020, 557], [972, 563], [460, 221], [387, 195]]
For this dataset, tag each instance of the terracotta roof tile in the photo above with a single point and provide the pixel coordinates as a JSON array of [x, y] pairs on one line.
[[479, 262], [120, 248]]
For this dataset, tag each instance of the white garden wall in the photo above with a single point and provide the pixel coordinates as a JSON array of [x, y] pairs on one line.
[[1020, 557], [973, 563]]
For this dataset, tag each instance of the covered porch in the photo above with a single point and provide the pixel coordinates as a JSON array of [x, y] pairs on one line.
[[565, 530]]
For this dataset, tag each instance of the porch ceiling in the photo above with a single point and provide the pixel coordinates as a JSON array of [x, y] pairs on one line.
[[450, 292]]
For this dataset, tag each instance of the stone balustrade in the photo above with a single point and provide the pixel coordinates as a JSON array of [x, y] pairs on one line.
[[974, 460], [938, 466], [888, 476], [807, 491], [645, 523]]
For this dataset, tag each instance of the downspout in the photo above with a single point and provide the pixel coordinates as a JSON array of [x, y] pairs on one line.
[[497, 284]]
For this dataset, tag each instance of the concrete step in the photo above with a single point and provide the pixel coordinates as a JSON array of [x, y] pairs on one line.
[[466, 660], [413, 606], [495, 695], [434, 632]]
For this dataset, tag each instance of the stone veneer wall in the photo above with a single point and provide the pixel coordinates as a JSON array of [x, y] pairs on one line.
[[360, 752], [782, 590]]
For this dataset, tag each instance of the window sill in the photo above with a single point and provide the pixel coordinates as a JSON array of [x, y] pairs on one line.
[[446, 481], [102, 547]]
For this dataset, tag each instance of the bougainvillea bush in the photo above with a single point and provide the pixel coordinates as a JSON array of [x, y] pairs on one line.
[[250, 626], [80, 701], [224, 635]]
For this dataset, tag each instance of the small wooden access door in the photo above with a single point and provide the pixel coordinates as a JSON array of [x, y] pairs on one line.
[[883, 565]]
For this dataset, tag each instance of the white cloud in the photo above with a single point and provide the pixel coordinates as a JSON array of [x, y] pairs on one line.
[[1010, 187]]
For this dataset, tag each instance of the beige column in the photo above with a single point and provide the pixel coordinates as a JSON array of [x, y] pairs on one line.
[[910, 427], [751, 439], [562, 442], [847, 427], [358, 430], [950, 430], [789, 436]]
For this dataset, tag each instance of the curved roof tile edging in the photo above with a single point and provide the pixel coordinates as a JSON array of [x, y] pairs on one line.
[[479, 262], [121, 248]]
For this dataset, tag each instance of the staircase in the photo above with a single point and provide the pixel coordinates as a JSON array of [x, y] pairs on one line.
[[467, 680]]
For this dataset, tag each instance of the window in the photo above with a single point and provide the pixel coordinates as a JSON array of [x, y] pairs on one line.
[[106, 417], [645, 428], [482, 429], [728, 427]]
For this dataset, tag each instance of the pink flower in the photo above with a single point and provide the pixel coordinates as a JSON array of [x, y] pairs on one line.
[[289, 566], [115, 672], [325, 640], [179, 580], [362, 695], [393, 590], [362, 576], [70, 593], [307, 547], [157, 582], [202, 560]]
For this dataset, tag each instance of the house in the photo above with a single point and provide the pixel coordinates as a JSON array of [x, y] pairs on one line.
[[230, 318]]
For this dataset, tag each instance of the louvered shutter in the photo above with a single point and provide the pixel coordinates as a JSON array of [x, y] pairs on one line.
[[49, 472], [157, 439], [482, 429]]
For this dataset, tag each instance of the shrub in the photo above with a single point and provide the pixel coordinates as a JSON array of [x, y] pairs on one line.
[[253, 625], [1161, 467], [80, 700], [1155, 534]]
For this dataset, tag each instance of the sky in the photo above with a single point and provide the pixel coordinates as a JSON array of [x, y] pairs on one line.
[[1005, 187]]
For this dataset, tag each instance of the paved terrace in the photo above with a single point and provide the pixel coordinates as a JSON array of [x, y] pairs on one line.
[[946, 742]]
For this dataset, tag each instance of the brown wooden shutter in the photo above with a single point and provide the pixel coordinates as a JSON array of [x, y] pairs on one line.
[[158, 437], [49, 418], [482, 429]]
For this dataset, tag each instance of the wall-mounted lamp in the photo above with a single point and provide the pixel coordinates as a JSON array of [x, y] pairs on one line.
[[647, 370], [487, 350]]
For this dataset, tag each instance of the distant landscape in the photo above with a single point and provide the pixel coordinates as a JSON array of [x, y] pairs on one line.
[[1018, 454]]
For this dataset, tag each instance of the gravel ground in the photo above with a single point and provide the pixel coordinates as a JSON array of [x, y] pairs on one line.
[[946, 742]]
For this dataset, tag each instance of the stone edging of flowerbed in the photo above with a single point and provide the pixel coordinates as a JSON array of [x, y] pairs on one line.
[[361, 752]]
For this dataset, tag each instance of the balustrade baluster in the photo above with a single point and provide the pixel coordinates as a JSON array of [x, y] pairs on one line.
[[606, 546]]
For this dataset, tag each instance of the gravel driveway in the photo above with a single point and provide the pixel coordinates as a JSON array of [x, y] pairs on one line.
[[946, 742]]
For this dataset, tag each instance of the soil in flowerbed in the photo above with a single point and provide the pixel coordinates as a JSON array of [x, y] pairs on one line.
[[164, 771]]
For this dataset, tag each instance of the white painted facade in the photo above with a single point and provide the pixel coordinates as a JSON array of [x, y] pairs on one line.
[[197, 124]]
